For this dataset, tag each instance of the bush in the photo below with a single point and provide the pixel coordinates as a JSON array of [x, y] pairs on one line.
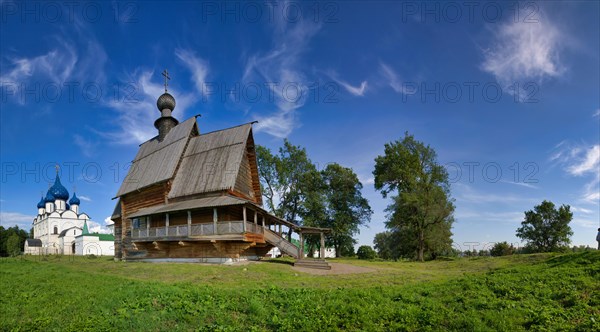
[[366, 252], [502, 249]]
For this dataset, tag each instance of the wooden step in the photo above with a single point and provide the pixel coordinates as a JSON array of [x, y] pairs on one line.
[[313, 264]]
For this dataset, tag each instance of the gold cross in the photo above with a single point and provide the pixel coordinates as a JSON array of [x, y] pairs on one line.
[[167, 77]]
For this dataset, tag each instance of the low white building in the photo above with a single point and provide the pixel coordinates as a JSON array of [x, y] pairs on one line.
[[59, 224], [94, 243]]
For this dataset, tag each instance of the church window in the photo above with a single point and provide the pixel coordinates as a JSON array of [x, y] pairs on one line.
[[74, 232], [55, 230]]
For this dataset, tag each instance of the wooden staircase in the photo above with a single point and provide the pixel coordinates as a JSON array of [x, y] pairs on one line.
[[284, 245], [313, 264]]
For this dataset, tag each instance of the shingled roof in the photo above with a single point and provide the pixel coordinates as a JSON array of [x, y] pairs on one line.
[[156, 161], [211, 162]]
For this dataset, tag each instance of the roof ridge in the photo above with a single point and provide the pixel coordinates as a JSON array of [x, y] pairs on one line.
[[155, 151], [216, 131], [215, 148]]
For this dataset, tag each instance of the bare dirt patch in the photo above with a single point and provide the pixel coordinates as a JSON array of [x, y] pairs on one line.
[[336, 268]]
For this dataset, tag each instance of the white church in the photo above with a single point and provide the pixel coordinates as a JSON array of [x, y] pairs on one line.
[[60, 228]]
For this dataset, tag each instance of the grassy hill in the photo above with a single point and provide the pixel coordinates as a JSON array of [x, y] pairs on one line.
[[540, 292]]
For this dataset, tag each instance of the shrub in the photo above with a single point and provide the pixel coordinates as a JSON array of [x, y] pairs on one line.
[[502, 249], [366, 252]]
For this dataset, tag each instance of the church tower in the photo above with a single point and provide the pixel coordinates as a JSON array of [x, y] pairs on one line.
[[166, 105]]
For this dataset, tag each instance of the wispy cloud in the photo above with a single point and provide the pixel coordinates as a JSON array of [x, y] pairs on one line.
[[581, 160], [197, 66], [357, 91], [490, 217], [282, 65], [392, 78], [524, 52], [84, 198], [9, 219], [522, 184], [597, 114], [86, 146], [137, 111]]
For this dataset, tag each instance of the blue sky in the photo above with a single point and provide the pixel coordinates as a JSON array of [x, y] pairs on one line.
[[507, 93]]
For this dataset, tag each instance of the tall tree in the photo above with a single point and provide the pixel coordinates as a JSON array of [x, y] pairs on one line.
[[282, 180], [545, 228], [346, 208], [422, 203]]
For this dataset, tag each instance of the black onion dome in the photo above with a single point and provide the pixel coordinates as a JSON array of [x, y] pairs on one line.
[[165, 101]]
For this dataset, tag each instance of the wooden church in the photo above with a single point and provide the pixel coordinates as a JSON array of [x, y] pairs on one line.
[[192, 196]]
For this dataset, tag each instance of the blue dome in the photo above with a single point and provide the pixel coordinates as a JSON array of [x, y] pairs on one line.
[[68, 207], [74, 200], [49, 197], [58, 191], [42, 203]]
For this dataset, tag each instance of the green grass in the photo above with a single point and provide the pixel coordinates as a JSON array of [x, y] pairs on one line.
[[538, 292]]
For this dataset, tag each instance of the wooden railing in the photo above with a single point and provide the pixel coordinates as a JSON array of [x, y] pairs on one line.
[[223, 227]]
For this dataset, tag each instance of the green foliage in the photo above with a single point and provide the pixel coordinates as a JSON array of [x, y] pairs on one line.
[[13, 245], [346, 209], [421, 212], [6, 234], [366, 252], [545, 228], [502, 249], [547, 292], [330, 198]]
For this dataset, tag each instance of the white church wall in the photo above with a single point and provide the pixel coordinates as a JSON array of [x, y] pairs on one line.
[[90, 245]]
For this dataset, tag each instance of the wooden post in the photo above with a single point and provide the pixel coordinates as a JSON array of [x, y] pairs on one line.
[[148, 226], [244, 222], [215, 218], [263, 224], [167, 225], [322, 251], [279, 229], [189, 232], [301, 248], [255, 218]]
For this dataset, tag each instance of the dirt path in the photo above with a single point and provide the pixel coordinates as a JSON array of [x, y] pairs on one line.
[[336, 268]]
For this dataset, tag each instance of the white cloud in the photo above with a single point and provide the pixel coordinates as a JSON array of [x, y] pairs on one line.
[[84, 198], [581, 210], [137, 112], [486, 216], [585, 223], [597, 114], [86, 146], [522, 184], [588, 162], [9, 219], [581, 160], [393, 80], [108, 221], [197, 66], [279, 68], [524, 52], [357, 91]]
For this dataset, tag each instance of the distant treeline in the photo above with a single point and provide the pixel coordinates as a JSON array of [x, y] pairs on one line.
[[12, 240]]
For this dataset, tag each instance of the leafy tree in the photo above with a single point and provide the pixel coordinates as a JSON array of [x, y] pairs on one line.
[[13, 245], [366, 252], [346, 209], [282, 179], [423, 201], [384, 244], [6, 233], [545, 228], [502, 249]]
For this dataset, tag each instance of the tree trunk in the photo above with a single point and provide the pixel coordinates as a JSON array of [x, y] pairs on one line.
[[421, 246], [337, 250]]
